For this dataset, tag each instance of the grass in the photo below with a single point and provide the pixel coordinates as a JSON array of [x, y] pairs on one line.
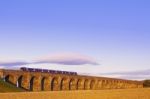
[[7, 87], [143, 93]]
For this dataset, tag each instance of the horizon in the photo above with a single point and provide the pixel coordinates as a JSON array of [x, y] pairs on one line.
[[88, 37]]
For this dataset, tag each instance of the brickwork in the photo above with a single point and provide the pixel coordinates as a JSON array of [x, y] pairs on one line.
[[37, 81]]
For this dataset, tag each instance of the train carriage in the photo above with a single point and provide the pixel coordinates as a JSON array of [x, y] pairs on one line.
[[47, 71]]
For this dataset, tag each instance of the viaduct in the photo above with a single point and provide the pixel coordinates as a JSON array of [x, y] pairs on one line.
[[38, 81]]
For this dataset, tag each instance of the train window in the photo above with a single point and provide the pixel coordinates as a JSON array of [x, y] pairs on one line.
[[55, 72], [49, 71], [66, 72], [39, 70], [31, 69], [35, 70], [45, 70], [52, 71], [23, 68], [59, 72]]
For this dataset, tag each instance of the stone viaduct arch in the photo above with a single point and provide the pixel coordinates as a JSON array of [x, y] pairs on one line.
[[72, 84], [38, 81], [86, 84]]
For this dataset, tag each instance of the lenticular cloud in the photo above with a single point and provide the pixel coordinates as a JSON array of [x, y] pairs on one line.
[[62, 59], [68, 59], [13, 63]]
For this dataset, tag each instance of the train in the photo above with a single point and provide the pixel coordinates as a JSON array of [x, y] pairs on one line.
[[47, 71]]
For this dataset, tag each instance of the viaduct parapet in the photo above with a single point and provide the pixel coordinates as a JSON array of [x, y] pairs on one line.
[[38, 81]]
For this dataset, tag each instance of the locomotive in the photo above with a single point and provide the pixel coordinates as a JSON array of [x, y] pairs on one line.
[[47, 71]]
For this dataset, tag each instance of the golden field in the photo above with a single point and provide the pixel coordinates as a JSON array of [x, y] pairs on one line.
[[143, 93]]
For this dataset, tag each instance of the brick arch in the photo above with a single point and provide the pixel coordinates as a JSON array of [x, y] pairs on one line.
[[10, 79], [13, 76], [100, 84], [107, 84], [116, 83], [55, 85], [120, 84], [20, 81], [35, 83], [7, 78], [31, 83], [125, 84], [72, 84], [86, 84], [103, 84], [112, 84], [64, 84], [92, 84], [43, 83], [24, 81], [46, 83], [80, 84]]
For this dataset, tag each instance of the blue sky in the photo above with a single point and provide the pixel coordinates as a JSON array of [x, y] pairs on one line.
[[113, 33]]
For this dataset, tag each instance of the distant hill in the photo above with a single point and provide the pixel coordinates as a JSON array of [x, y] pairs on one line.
[[7, 87]]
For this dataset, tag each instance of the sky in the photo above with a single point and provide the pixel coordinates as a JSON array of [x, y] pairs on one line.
[[91, 37]]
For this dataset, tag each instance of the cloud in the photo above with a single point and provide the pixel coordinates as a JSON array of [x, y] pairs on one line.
[[133, 75], [14, 63], [141, 72], [62, 59], [67, 59]]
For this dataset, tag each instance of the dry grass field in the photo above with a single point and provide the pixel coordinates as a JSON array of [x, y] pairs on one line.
[[97, 94]]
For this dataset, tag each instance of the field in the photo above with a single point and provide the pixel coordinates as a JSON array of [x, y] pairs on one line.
[[97, 94]]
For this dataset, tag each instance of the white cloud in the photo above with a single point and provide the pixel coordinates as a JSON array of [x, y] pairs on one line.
[[62, 59], [133, 75], [67, 59]]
